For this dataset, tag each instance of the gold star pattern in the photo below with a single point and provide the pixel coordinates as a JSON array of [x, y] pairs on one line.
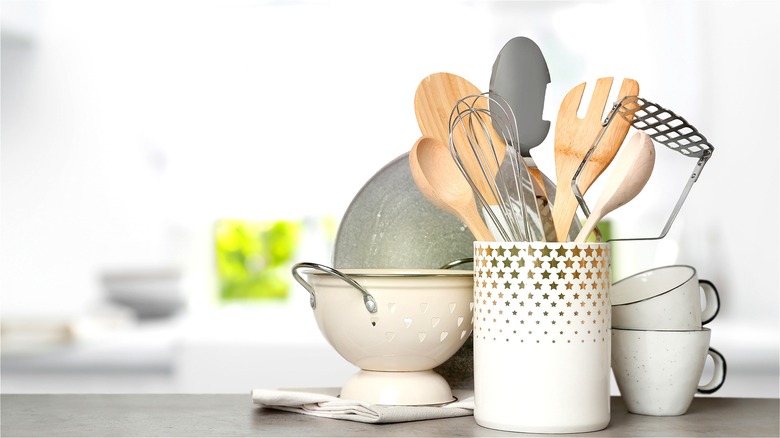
[[501, 270]]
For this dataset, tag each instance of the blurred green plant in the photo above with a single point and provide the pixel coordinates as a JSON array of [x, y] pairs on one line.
[[254, 258], [605, 227]]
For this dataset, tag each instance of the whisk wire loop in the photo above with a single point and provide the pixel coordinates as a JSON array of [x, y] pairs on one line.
[[480, 143]]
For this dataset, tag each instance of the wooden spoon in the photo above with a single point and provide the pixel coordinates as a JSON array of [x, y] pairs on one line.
[[437, 176], [573, 139], [629, 175], [434, 100]]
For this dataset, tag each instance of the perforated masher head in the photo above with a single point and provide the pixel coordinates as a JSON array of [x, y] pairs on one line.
[[664, 127]]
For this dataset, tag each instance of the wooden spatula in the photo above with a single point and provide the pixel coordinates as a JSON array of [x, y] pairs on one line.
[[434, 99], [575, 136]]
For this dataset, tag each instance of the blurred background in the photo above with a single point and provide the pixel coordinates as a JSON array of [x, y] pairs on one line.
[[164, 162]]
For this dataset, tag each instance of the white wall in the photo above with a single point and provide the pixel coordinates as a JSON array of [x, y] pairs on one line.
[[128, 127]]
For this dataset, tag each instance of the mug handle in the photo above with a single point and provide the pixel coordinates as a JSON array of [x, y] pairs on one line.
[[718, 376], [712, 300]]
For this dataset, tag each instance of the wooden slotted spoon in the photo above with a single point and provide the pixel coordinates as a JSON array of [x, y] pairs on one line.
[[573, 139]]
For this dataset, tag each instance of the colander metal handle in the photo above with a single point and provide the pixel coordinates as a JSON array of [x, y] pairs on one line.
[[458, 262], [368, 300]]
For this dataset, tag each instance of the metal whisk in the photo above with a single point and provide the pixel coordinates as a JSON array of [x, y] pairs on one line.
[[479, 142]]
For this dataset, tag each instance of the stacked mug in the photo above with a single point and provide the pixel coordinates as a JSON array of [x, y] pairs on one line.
[[659, 344]]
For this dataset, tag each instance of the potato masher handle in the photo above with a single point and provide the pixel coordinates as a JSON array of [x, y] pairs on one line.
[[368, 300], [665, 127]]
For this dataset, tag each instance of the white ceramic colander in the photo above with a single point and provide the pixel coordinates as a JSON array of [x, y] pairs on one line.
[[396, 325]]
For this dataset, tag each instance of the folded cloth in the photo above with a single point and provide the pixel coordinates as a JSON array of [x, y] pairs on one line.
[[323, 403]]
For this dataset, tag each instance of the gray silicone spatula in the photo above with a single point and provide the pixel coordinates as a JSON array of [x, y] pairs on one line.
[[520, 76]]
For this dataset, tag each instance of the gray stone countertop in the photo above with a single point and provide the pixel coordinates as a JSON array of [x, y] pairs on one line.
[[228, 415]]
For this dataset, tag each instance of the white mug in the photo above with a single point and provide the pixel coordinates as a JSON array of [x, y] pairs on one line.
[[658, 371], [666, 298]]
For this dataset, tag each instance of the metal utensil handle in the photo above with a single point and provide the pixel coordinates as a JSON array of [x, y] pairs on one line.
[[665, 127], [368, 299], [458, 262]]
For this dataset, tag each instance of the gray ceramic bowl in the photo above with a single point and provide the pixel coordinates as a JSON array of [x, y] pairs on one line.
[[390, 224]]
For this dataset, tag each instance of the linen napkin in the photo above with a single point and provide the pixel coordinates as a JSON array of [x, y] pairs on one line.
[[325, 403]]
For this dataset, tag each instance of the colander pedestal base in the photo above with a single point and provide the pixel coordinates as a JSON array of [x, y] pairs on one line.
[[405, 388]]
